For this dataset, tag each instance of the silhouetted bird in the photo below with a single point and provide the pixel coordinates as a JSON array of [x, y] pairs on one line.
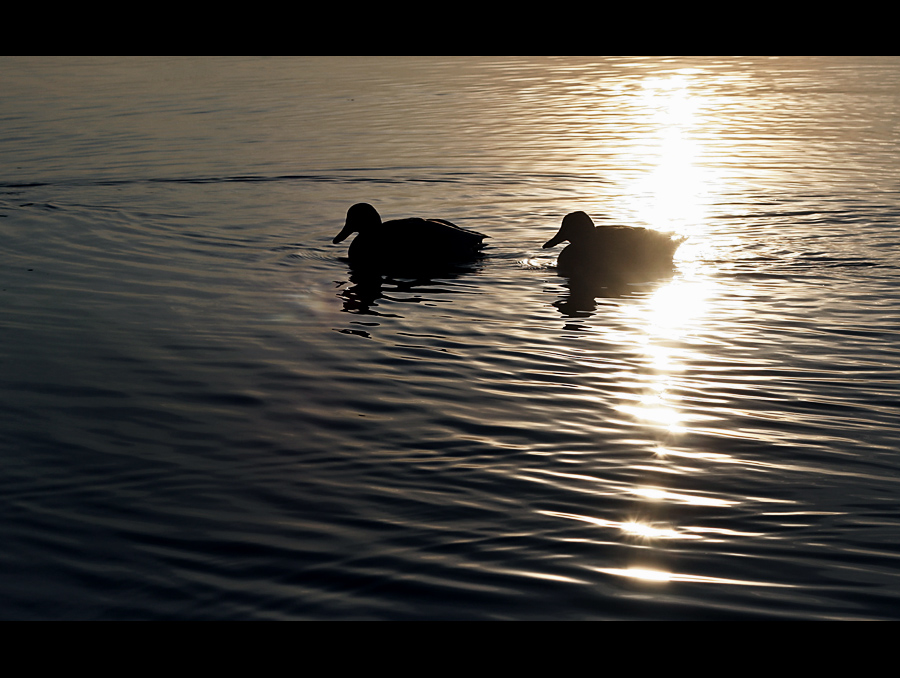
[[406, 244], [617, 253]]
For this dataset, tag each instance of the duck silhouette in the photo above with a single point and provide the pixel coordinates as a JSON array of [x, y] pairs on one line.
[[405, 244], [615, 253]]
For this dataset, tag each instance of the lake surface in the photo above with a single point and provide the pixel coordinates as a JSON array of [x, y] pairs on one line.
[[206, 414]]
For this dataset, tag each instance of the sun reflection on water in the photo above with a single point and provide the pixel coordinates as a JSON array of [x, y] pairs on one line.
[[652, 575], [645, 531], [672, 194], [669, 328], [664, 324], [658, 494]]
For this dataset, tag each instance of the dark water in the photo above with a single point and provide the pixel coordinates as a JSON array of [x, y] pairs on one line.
[[207, 415]]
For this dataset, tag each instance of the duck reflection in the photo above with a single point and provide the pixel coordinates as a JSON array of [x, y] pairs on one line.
[[583, 294], [368, 288]]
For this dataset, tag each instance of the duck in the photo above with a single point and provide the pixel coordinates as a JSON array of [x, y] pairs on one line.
[[413, 243], [620, 253]]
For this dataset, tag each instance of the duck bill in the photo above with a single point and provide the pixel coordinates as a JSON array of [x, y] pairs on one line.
[[343, 235], [555, 240]]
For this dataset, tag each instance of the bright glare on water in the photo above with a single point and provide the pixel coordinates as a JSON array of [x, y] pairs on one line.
[[209, 414]]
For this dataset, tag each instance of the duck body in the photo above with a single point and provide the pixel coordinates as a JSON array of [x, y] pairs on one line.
[[618, 253], [406, 244]]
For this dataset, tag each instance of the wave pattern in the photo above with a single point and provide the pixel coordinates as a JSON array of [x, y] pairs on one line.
[[208, 415]]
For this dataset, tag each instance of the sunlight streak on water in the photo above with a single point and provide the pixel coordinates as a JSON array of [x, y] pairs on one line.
[[674, 193], [657, 494], [660, 576], [665, 326]]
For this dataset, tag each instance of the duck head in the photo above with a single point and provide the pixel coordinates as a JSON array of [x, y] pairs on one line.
[[360, 217], [576, 227]]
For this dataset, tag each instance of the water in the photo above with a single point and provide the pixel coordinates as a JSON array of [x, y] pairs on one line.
[[207, 415]]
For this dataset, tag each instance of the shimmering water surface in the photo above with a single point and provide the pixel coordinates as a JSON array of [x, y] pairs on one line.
[[207, 415]]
